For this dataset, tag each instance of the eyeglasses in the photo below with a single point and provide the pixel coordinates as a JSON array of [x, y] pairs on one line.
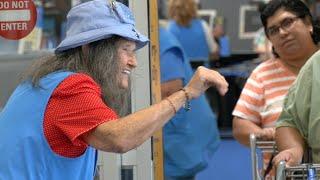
[[285, 25]]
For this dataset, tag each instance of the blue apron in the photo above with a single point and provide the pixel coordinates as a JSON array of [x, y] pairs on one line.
[[192, 40], [24, 150], [192, 136]]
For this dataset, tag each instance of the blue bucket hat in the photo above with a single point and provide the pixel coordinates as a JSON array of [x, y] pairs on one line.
[[100, 19]]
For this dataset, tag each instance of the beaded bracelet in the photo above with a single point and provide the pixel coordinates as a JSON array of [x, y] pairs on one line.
[[186, 105], [171, 104]]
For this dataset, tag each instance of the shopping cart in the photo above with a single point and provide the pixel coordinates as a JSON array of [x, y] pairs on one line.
[[264, 147], [300, 172]]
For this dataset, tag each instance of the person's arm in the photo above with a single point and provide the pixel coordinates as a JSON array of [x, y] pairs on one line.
[[247, 118], [172, 71], [290, 144], [295, 120], [170, 87], [212, 44], [289, 140], [129, 132], [242, 129]]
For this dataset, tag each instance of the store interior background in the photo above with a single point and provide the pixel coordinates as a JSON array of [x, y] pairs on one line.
[[235, 63]]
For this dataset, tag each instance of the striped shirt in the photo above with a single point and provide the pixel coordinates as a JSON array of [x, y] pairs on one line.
[[262, 97]]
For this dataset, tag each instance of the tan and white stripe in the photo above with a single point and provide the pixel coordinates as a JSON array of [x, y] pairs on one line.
[[262, 97]]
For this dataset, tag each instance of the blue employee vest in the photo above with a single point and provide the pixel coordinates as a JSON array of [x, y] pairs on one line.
[[192, 39], [24, 150], [192, 136]]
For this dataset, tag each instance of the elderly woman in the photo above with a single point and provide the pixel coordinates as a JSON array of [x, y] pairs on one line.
[[289, 27]]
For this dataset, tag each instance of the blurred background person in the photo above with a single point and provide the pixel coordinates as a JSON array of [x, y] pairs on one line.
[[288, 25], [261, 43], [192, 32], [221, 38], [191, 137], [198, 3]]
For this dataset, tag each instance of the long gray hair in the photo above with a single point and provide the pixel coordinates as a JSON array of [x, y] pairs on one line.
[[101, 63]]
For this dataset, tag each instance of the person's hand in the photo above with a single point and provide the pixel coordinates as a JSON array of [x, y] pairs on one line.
[[266, 134], [292, 157], [204, 78]]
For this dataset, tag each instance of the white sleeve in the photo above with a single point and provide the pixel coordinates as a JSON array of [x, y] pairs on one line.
[[212, 44]]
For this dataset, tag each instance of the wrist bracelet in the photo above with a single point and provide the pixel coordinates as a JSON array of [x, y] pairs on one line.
[[186, 105], [171, 104]]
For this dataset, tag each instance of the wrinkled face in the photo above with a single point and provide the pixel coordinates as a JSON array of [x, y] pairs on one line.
[[127, 57], [288, 33]]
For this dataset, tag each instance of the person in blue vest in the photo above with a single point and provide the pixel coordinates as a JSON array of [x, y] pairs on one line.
[[75, 102], [191, 137], [192, 32]]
